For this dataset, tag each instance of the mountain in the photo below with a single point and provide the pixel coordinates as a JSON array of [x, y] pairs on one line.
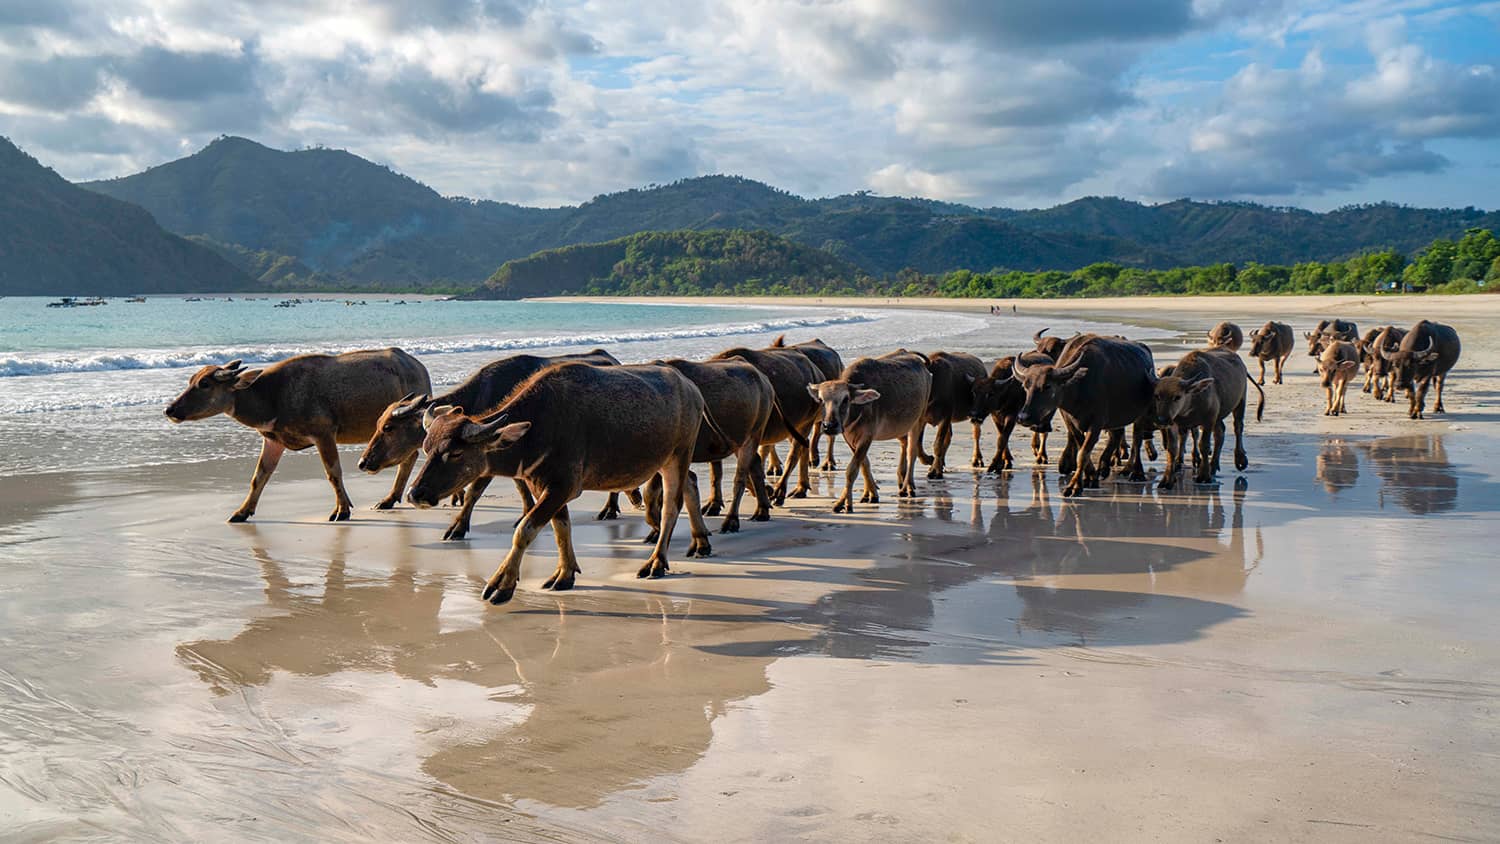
[[673, 262], [59, 239], [347, 221], [1240, 232]]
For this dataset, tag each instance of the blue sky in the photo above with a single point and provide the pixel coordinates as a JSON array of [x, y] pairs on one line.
[[1022, 103]]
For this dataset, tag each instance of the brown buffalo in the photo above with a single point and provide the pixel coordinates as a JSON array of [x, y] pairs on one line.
[[882, 398], [741, 402], [1426, 355], [1272, 342], [1000, 397], [308, 400], [830, 364], [1226, 335], [1203, 388], [1327, 332], [1336, 366], [953, 374], [398, 434], [789, 372], [1050, 346], [1100, 384], [1389, 338], [570, 428]]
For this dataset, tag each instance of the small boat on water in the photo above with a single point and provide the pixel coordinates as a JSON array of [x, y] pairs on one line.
[[136, 299], [75, 302]]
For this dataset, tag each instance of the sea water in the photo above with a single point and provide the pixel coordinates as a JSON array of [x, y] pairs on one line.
[[84, 388]]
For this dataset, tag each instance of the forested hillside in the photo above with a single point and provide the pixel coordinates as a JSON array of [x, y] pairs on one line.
[[59, 239], [684, 263], [349, 222]]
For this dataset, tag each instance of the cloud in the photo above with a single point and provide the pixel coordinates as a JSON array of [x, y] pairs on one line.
[[550, 101]]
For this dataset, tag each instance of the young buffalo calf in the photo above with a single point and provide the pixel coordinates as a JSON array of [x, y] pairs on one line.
[[1203, 388], [882, 398], [999, 396], [1272, 342], [569, 428], [309, 400], [1336, 367]]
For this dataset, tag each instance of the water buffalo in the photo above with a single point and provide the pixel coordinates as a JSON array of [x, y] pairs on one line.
[[1336, 366], [882, 398], [1389, 338], [1099, 384], [569, 428], [1426, 354], [741, 402], [1050, 346], [1000, 397], [398, 434], [789, 372], [1272, 342], [1226, 335], [1204, 387], [830, 365], [308, 400], [1328, 331], [953, 374]]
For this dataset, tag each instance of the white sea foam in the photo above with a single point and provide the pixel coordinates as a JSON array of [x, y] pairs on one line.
[[56, 363]]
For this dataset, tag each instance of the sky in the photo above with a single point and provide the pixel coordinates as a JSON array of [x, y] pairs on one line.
[[1017, 103]]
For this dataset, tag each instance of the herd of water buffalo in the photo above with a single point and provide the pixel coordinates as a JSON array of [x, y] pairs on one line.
[[566, 424]]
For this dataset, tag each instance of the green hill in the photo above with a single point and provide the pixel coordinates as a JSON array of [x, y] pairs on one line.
[[678, 262], [59, 239], [351, 222]]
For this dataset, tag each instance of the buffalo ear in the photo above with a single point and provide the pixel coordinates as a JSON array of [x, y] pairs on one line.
[[969, 378], [812, 390], [1077, 376], [1427, 357], [1347, 364], [246, 378], [864, 396], [509, 434], [1202, 386]]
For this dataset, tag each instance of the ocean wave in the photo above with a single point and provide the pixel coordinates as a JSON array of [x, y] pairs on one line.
[[57, 363]]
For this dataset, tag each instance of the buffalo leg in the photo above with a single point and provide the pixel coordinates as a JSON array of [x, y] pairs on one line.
[[1068, 463], [747, 472], [328, 450], [1218, 449], [567, 561], [1442, 381], [1280, 362], [1241, 459], [804, 480], [828, 463], [1113, 448], [845, 502], [940, 443], [907, 486], [1262, 371], [653, 499], [270, 456], [1204, 452], [1039, 448], [772, 460], [872, 489], [674, 476], [976, 460], [611, 509], [700, 546], [402, 473], [459, 528], [1083, 466], [1135, 469], [922, 454], [1004, 425], [1173, 442], [715, 504], [501, 586]]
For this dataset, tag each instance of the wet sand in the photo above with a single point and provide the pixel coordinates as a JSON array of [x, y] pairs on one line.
[[1306, 651]]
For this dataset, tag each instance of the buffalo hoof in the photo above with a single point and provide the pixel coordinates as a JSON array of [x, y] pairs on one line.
[[934, 474], [384, 505], [455, 532], [457, 500], [1136, 476], [558, 584], [651, 537], [828, 465], [1241, 461], [1439, 408], [799, 492], [925, 458], [906, 492], [1072, 490], [713, 508], [236, 518], [700, 547], [779, 499], [761, 516], [773, 471], [1166, 483], [607, 514], [870, 497], [339, 515], [1041, 460], [654, 568], [731, 525], [497, 594], [843, 506]]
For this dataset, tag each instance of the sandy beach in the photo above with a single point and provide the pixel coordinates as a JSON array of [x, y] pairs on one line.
[[1305, 651]]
